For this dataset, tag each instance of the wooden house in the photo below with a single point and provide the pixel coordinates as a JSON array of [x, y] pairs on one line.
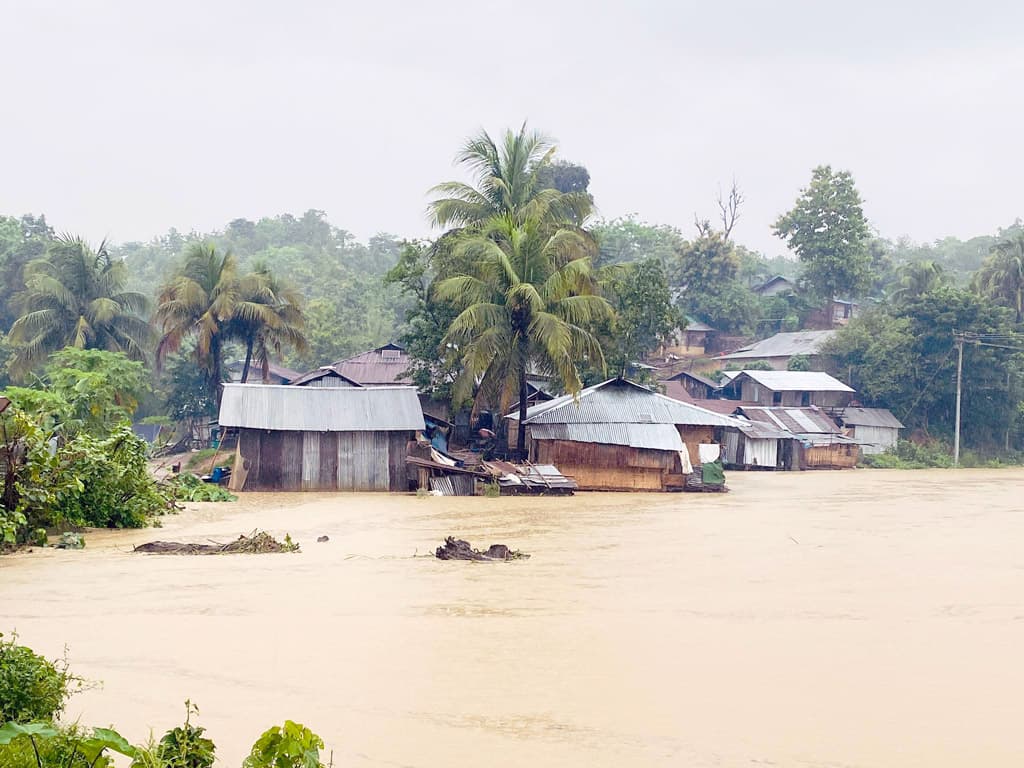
[[875, 429], [689, 386], [690, 340], [775, 286], [619, 436], [320, 438], [789, 388], [384, 365], [821, 443]]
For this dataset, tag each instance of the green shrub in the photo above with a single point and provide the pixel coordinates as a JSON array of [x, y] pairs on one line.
[[43, 745], [289, 746], [189, 487], [181, 747], [31, 686]]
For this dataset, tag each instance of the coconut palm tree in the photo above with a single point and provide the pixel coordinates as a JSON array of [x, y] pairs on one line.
[[918, 278], [74, 297], [200, 302], [505, 182], [1001, 276], [526, 301], [267, 317]]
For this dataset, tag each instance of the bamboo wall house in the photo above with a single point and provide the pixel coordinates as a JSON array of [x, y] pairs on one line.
[[821, 443], [320, 439], [619, 436]]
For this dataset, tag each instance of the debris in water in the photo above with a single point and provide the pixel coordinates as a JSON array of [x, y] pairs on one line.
[[457, 549], [258, 542], [70, 541], [322, 539]]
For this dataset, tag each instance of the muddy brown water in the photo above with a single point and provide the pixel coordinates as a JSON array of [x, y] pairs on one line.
[[866, 618]]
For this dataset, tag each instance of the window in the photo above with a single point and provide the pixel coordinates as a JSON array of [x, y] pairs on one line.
[[776, 398], [805, 399]]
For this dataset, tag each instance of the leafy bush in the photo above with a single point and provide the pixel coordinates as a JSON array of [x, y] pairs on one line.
[[31, 686], [101, 482], [289, 746], [189, 487], [910, 455], [43, 745], [181, 747]]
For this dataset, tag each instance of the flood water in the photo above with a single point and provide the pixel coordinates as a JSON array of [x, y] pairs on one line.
[[865, 618]]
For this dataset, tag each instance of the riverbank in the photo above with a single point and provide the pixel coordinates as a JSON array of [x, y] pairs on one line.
[[866, 618]]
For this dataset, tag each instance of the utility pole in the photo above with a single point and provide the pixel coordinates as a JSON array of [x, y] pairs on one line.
[[959, 337]]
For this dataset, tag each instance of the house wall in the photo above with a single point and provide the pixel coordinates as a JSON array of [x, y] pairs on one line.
[[880, 438], [599, 467], [694, 436], [836, 456], [686, 344], [320, 461], [753, 392]]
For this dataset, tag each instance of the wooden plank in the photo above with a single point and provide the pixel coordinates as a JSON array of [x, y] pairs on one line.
[[328, 461], [269, 474], [346, 477], [291, 461], [310, 461]]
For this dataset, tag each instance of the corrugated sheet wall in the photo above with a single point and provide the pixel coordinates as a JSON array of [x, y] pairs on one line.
[[324, 461]]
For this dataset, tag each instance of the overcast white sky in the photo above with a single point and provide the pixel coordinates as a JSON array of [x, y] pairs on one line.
[[123, 119]]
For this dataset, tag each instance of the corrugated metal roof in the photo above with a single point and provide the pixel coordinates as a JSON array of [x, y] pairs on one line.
[[621, 402], [870, 417], [797, 381], [758, 430], [384, 365], [320, 409], [696, 377], [319, 373], [783, 345], [658, 437], [800, 421]]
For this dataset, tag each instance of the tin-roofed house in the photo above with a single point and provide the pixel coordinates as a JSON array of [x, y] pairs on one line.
[[821, 443], [619, 436], [790, 388], [320, 438], [779, 349], [876, 429]]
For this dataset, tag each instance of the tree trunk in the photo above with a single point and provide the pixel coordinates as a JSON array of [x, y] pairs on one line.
[[215, 371], [248, 360], [521, 436]]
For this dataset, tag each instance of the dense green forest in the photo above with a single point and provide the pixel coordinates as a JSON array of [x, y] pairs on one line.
[[521, 279]]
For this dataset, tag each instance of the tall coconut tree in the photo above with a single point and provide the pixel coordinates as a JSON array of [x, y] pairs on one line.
[[200, 302], [1001, 276], [267, 317], [918, 278], [526, 301], [505, 182], [75, 297]]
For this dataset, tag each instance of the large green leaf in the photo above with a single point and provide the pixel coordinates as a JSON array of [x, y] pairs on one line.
[[10, 731]]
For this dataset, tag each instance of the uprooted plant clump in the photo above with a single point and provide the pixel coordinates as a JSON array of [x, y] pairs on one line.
[[457, 549], [258, 542]]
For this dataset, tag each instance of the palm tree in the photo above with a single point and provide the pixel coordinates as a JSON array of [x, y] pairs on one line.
[[200, 301], [527, 300], [74, 297], [918, 278], [1001, 276], [267, 317], [505, 183]]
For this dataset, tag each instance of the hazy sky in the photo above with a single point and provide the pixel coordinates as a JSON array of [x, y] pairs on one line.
[[123, 119]]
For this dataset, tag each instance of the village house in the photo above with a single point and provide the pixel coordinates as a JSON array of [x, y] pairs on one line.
[[779, 349], [320, 438], [759, 445], [619, 436], [875, 429], [688, 386], [774, 286], [820, 443], [691, 340], [789, 388]]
